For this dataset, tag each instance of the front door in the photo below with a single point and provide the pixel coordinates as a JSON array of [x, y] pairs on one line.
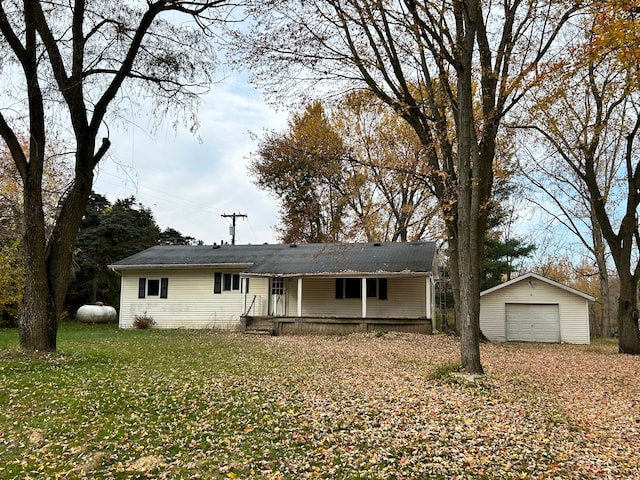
[[278, 304]]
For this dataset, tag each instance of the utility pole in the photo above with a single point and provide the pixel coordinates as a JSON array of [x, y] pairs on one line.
[[232, 229]]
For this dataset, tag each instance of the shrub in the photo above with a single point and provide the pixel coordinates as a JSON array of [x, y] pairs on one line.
[[143, 321]]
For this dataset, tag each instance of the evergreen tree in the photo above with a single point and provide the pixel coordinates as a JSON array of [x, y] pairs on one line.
[[108, 233], [500, 259], [171, 236]]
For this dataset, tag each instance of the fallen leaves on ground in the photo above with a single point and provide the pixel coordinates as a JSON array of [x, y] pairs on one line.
[[216, 405]]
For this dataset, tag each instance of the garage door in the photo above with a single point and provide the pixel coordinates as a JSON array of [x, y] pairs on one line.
[[533, 322]]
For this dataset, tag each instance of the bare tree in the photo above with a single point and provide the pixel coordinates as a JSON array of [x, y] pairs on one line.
[[587, 119], [560, 195], [75, 61], [452, 69]]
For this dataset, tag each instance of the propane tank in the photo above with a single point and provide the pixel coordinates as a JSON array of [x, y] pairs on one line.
[[96, 313]]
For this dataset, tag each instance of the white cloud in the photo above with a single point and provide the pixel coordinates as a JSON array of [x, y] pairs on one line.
[[189, 181]]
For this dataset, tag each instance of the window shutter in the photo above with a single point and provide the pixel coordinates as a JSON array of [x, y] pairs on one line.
[[142, 286], [236, 281], [217, 282], [382, 288], [164, 287], [339, 288]]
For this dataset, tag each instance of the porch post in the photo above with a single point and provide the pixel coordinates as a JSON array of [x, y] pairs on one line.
[[243, 286], [299, 297], [427, 310], [364, 297], [268, 296]]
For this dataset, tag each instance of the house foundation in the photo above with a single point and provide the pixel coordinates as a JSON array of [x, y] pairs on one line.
[[318, 325]]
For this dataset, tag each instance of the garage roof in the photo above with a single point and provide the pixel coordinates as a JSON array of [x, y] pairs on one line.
[[293, 259], [533, 277]]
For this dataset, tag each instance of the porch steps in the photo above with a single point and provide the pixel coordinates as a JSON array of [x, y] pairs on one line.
[[259, 326]]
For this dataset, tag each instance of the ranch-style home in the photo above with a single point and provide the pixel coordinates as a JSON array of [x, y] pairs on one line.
[[283, 288]]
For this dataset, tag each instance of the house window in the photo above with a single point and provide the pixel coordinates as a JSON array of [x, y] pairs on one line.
[[226, 282], [352, 288], [153, 287], [231, 282], [277, 286], [348, 288]]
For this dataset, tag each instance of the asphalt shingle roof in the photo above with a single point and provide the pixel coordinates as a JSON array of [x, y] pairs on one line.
[[291, 259]]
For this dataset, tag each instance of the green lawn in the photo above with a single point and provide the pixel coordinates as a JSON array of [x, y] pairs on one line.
[[204, 404]]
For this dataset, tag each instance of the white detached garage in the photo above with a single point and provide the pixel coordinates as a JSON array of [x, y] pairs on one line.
[[532, 308]]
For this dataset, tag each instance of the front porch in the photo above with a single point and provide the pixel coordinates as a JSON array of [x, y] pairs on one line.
[[392, 298], [318, 325]]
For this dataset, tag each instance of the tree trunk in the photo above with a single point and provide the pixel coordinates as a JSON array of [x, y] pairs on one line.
[[36, 329], [605, 307], [605, 310], [603, 276], [93, 293], [63, 237], [454, 277], [469, 318], [468, 201], [48, 263], [628, 316]]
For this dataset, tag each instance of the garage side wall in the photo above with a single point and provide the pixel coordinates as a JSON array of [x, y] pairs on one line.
[[574, 315]]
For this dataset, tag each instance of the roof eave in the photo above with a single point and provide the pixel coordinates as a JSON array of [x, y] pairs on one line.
[[117, 267], [340, 274]]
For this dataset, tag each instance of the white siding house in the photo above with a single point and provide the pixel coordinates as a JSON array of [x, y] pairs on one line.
[[300, 288], [532, 308], [190, 300]]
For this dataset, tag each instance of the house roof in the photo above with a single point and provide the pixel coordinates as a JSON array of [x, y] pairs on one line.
[[293, 259], [532, 277]]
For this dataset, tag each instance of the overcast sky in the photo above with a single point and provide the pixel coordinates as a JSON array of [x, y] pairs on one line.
[[189, 181]]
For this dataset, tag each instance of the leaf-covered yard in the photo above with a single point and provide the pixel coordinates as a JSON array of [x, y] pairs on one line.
[[202, 404]]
